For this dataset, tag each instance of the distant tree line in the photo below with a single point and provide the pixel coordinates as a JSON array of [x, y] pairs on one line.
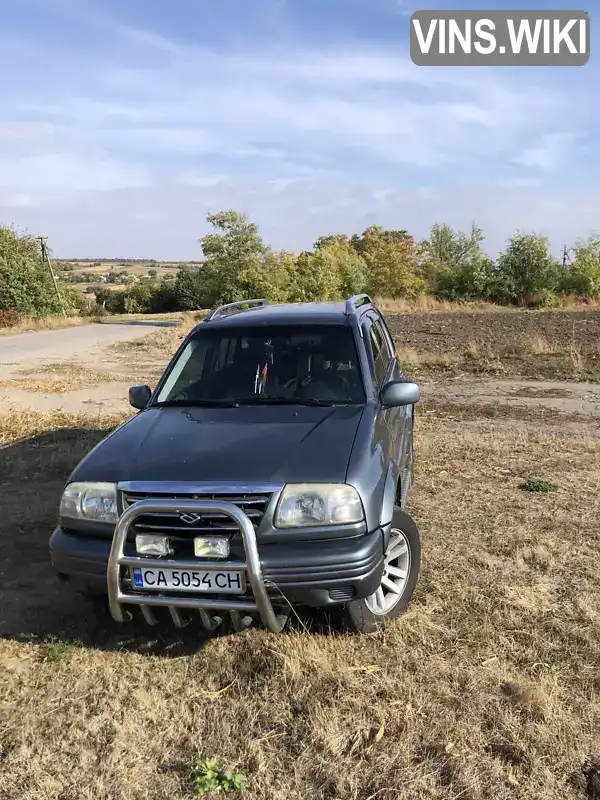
[[237, 264], [68, 264]]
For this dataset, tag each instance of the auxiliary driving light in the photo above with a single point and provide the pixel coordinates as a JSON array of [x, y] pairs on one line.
[[211, 547], [152, 545]]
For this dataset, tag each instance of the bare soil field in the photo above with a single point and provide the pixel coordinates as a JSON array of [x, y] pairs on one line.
[[530, 344], [453, 332], [487, 687]]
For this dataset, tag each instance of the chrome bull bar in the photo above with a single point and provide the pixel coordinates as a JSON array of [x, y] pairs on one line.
[[117, 597]]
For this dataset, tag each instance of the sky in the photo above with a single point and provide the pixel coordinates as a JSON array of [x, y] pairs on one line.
[[123, 123]]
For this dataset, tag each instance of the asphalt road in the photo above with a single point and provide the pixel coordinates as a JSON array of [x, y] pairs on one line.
[[66, 343]]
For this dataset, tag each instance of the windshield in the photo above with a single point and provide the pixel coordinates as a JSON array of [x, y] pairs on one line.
[[262, 364]]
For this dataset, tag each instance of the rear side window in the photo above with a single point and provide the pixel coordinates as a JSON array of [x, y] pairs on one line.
[[387, 337], [381, 354]]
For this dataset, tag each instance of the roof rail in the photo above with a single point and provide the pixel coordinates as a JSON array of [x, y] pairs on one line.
[[355, 302], [232, 308]]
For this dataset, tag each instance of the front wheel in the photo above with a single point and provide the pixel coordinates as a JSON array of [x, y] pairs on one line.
[[402, 563]]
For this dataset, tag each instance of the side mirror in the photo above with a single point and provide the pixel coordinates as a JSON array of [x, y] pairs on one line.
[[139, 396], [400, 393]]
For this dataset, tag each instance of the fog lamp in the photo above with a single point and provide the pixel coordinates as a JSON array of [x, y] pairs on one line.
[[211, 547], [152, 545]]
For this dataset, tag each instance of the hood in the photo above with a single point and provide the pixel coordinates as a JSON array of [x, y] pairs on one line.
[[251, 443]]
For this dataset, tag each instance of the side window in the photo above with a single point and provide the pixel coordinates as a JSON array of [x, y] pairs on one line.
[[387, 337], [187, 371], [381, 355]]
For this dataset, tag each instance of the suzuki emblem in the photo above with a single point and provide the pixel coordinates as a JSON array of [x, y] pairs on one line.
[[190, 518]]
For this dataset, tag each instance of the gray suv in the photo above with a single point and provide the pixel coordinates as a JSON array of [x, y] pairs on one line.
[[268, 469]]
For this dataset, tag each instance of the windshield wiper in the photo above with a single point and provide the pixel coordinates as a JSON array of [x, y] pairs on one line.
[[199, 403], [290, 401]]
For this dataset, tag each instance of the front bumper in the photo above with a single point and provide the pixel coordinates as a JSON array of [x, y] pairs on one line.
[[319, 573]]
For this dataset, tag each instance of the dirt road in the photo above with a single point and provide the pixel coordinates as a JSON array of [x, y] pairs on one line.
[[73, 369], [61, 345]]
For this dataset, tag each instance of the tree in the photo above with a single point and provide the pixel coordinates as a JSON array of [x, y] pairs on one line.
[[270, 276], [26, 285], [233, 253], [456, 266], [332, 238], [526, 273], [138, 298], [332, 271], [392, 262], [361, 243], [583, 275], [191, 289]]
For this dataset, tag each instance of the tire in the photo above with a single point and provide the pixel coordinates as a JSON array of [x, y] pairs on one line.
[[365, 615]]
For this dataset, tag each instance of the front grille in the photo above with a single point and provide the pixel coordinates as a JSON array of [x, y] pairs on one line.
[[253, 505]]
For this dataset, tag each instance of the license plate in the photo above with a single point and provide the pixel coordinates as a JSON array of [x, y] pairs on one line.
[[188, 580]]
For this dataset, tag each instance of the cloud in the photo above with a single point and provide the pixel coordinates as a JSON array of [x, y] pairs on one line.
[[66, 172], [19, 200], [16, 131], [363, 107], [143, 127], [549, 154]]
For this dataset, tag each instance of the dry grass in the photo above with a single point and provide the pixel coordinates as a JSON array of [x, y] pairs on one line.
[[535, 344], [427, 303], [175, 316], [43, 324], [530, 356], [400, 305], [160, 344], [65, 377], [487, 687], [27, 324]]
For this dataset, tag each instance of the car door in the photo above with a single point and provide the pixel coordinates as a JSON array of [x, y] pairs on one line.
[[403, 420], [381, 368]]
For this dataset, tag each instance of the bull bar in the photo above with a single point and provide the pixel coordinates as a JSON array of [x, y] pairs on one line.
[[251, 565]]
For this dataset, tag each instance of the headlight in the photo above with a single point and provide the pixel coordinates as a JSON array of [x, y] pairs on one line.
[[95, 502], [304, 504]]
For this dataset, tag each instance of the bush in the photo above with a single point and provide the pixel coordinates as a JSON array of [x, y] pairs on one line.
[[191, 291], [455, 264], [526, 273], [75, 301], [143, 297], [333, 271], [26, 286], [270, 275], [8, 319], [392, 262], [583, 276], [114, 301]]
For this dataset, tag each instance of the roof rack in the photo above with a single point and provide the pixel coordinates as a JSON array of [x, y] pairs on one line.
[[232, 308], [355, 302]]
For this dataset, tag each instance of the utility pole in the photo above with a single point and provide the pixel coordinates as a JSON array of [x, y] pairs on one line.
[[566, 256], [45, 258]]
